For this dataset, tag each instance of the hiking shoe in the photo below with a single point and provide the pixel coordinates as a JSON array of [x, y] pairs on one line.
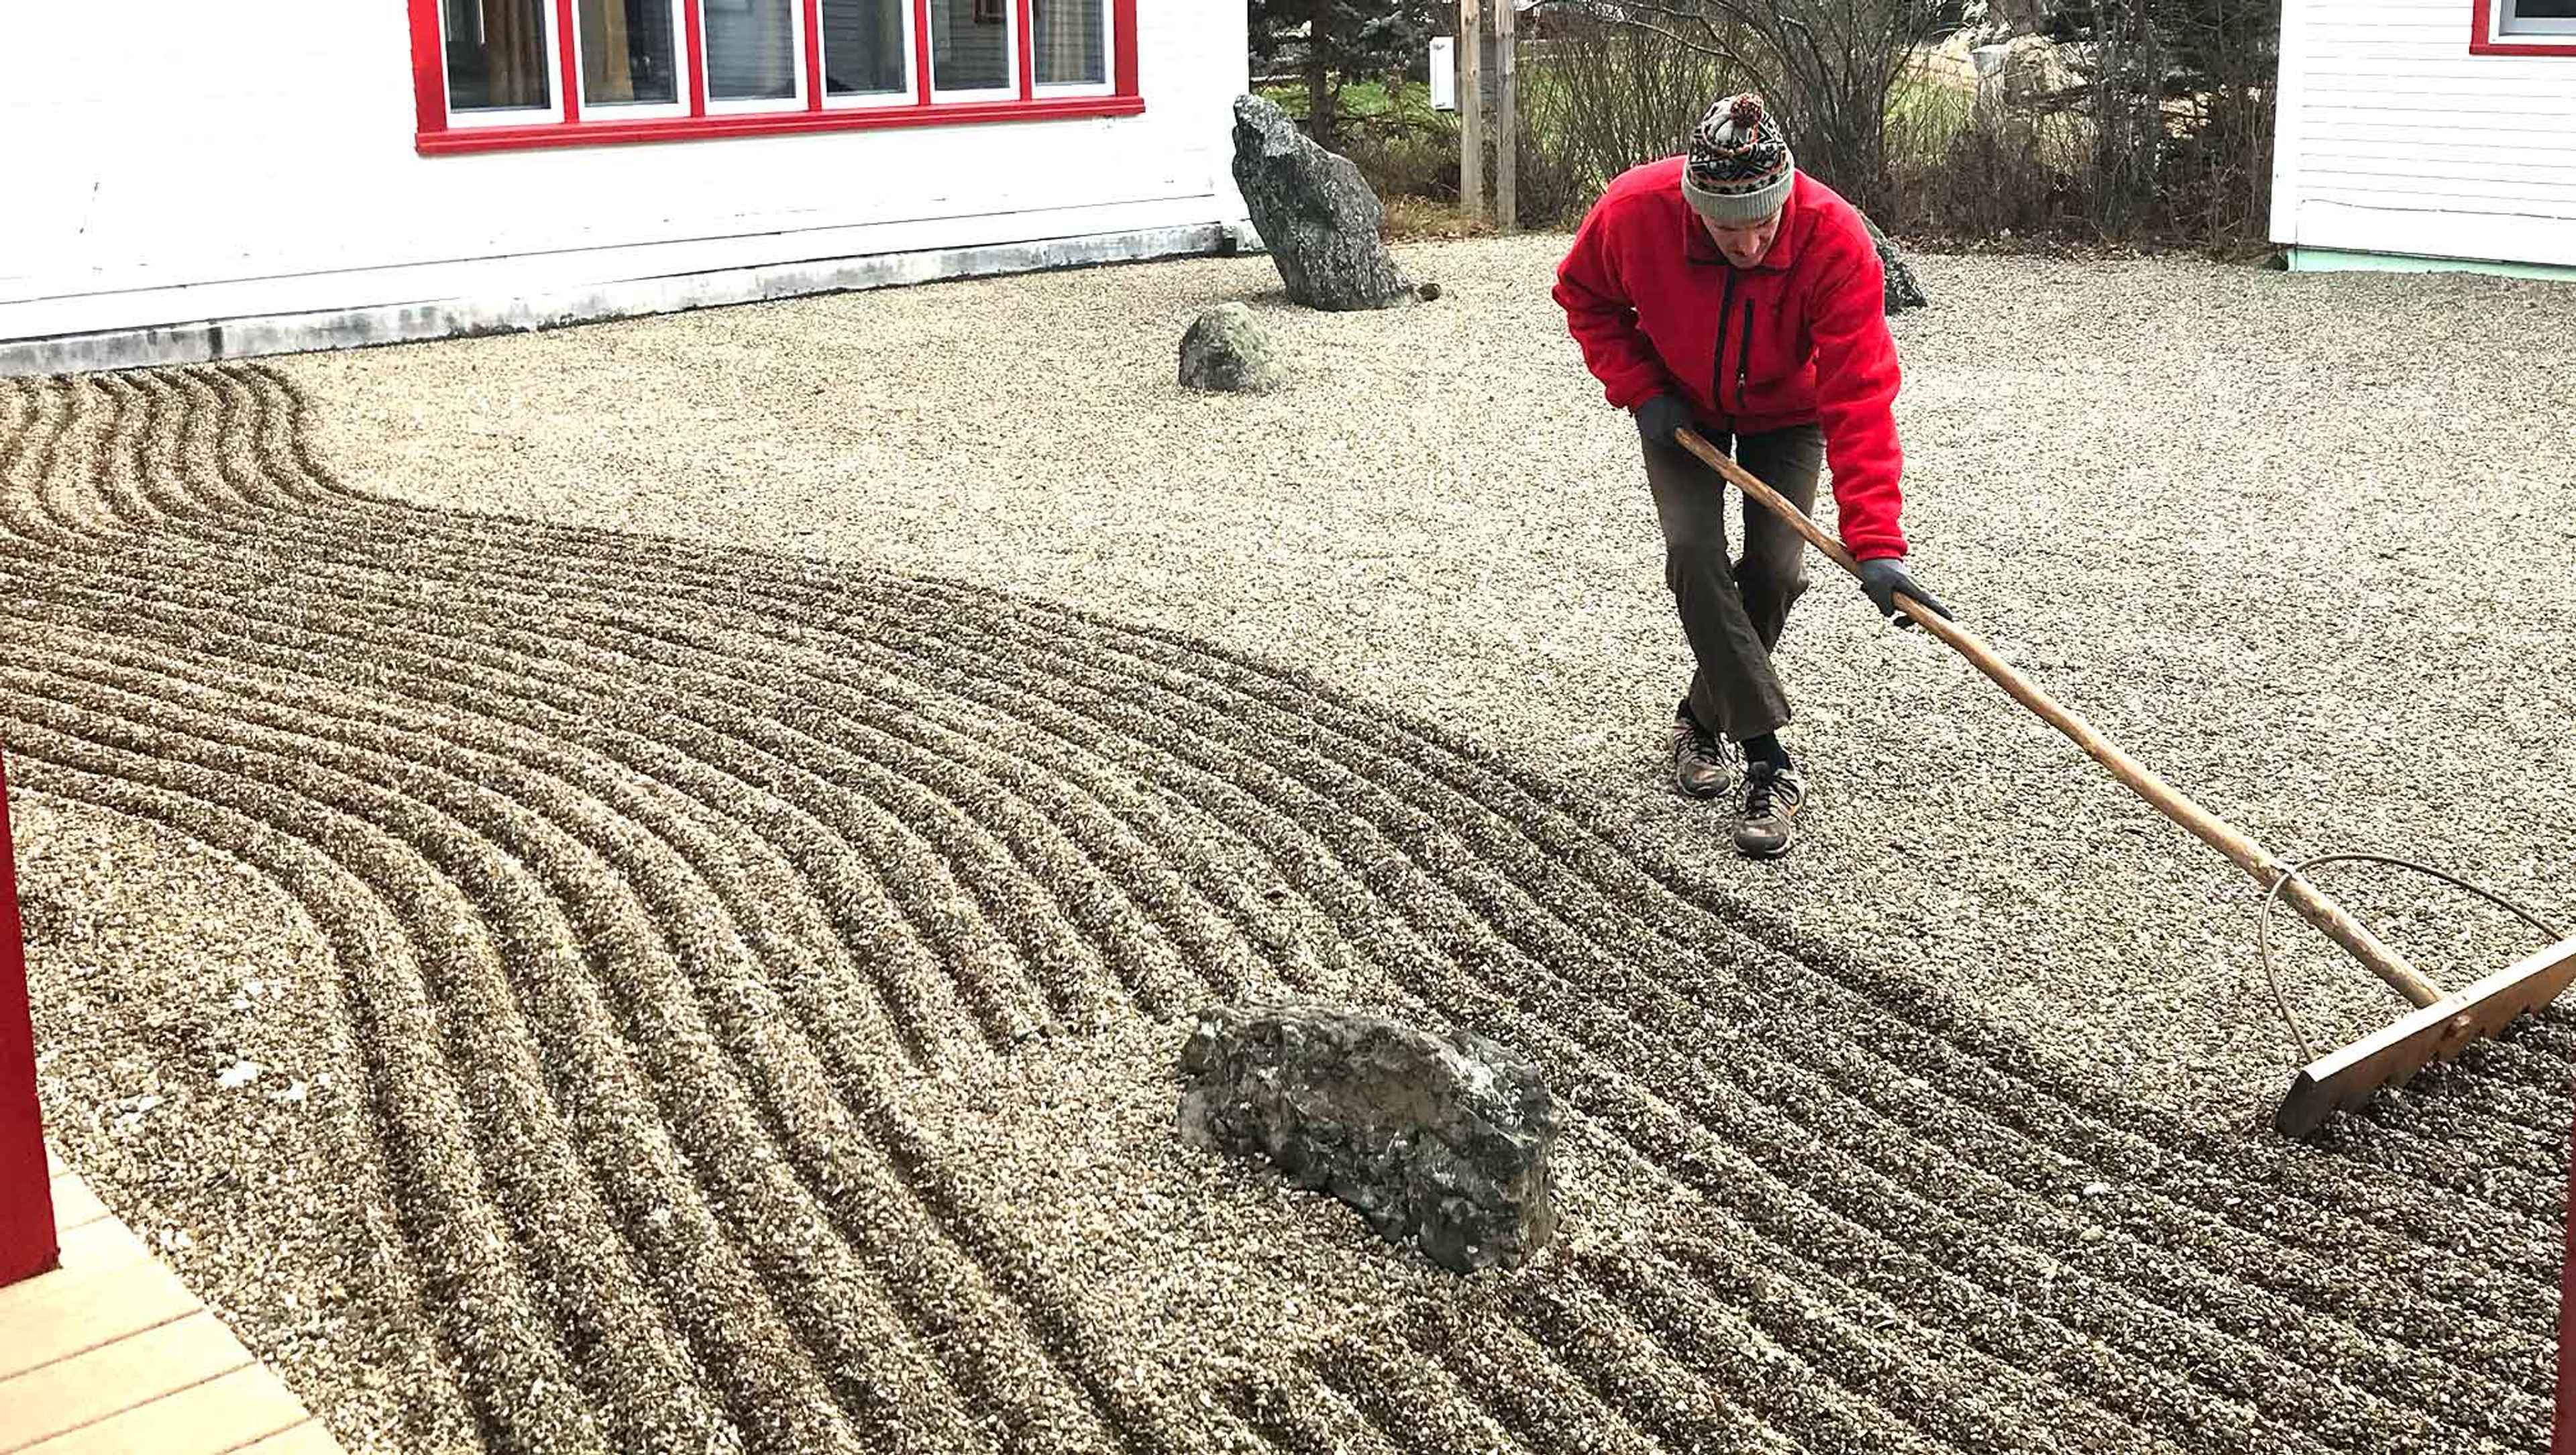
[[1699, 760], [1772, 797]]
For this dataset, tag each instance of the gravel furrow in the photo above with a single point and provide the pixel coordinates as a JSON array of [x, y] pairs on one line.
[[1723, 1348], [1024, 1425], [665, 997], [1293, 688], [1295, 1412], [1516, 1378], [1384, 852], [776, 1226], [1410, 1400], [793, 1247], [705, 884], [520, 1373], [2332, 1236], [461, 1287], [582, 1157]]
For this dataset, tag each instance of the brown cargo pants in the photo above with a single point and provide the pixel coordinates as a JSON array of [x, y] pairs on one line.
[[1733, 610]]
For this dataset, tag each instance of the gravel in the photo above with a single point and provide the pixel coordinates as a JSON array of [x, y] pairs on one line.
[[752, 969], [194, 1066], [2300, 542]]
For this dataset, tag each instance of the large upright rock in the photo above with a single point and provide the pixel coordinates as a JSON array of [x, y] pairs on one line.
[[1902, 291], [1316, 216], [1439, 1141]]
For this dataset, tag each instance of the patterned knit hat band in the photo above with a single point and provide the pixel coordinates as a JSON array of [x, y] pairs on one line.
[[1740, 168]]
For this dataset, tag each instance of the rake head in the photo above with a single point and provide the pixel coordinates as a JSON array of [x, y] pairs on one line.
[[2437, 1032]]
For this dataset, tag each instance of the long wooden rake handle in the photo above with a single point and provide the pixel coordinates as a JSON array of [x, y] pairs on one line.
[[2312, 905]]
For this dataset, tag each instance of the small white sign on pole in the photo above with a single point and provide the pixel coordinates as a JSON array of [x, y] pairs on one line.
[[1444, 73]]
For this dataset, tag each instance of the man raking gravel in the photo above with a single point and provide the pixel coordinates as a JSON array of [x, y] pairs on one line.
[[1725, 298], [1728, 293]]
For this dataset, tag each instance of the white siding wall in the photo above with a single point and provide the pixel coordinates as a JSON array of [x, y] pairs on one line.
[[2394, 139], [171, 161]]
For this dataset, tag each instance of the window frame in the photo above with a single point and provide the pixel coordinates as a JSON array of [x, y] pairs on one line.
[[631, 111], [1107, 85], [1015, 57], [907, 95], [501, 117], [2495, 31], [567, 123], [797, 44]]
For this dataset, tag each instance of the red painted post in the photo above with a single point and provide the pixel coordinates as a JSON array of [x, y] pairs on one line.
[[27, 1242]]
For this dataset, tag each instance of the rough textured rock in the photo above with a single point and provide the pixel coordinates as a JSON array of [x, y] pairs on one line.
[[1316, 216], [2023, 70], [1994, 20], [1228, 349], [1904, 291], [1440, 1141]]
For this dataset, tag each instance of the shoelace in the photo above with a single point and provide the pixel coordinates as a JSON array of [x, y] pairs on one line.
[[1703, 742], [1761, 792]]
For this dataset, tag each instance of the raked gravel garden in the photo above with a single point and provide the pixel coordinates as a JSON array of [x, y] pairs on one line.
[[637, 887]]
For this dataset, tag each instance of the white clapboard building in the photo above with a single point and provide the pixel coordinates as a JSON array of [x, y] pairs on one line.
[[187, 180], [2427, 133]]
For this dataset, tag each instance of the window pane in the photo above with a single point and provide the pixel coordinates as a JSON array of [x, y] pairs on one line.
[[970, 44], [496, 55], [863, 46], [2544, 9], [1072, 42], [751, 49], [628, 52]]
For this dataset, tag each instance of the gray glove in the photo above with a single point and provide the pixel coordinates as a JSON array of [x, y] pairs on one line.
[[1660, 420], [1884, 578]]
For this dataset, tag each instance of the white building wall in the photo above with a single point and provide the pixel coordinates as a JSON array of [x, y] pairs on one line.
[[2393, 138], [171, 162]]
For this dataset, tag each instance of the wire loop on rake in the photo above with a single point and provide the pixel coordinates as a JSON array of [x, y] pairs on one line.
[[2271, 896]]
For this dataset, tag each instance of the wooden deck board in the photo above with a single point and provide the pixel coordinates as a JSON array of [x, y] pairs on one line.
[[113, 1378], [57, 1315], [100, 1245], [74, 1204], [224, 1413], [110, 1352], [308, 1438]]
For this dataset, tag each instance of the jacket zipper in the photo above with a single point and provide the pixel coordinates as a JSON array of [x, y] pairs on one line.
[[1725, 310], [1744, 354]]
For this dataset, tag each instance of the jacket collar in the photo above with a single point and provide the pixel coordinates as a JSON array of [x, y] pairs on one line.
[[1784, 248]]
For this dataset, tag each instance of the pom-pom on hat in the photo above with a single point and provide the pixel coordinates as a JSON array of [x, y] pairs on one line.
[[1740, 168]]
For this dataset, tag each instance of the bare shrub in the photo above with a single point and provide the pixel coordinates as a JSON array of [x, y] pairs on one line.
[[1405, 156], [1826, 67], [2165, 138], [1600, 96]]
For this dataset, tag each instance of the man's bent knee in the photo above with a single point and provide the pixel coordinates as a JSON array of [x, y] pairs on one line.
[[1759, 577], [1703, 559]]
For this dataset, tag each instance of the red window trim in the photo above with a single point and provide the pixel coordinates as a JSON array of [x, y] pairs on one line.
[[1028, 50], [436, 138], [2484, 42], [693, 27], [571, 73]]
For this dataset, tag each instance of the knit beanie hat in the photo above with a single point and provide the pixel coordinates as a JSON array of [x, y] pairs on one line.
[[1740, 168]]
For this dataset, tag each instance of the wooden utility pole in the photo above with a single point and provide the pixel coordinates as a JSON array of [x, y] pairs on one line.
[[1471, 107], [1507, 118]]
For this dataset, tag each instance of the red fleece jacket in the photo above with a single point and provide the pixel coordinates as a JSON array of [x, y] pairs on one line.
[[1800, 339]]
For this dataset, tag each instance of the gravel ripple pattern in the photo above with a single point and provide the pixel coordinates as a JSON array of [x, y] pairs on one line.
[[759, 977]]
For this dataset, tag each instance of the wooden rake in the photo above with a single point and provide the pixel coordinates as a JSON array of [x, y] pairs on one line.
[[2440, 1027]]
